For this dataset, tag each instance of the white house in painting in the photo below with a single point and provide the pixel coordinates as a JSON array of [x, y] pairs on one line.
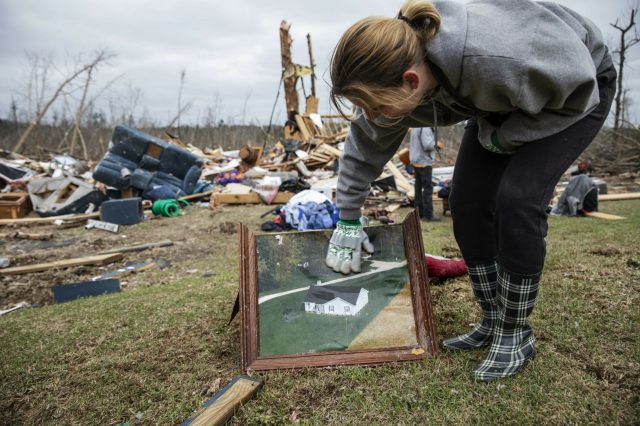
[[335, 300]]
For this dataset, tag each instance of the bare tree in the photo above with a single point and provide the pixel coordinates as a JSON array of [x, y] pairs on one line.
[[625, 44], [39, 65], [183, 74], [99, 57], [186, 107]]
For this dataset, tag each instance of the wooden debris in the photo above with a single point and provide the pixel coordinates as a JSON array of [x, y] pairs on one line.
[[138, 247], [196, 196], [392, 207], [402, 183], [600, 215], [226, 402], [67, 263], [302, 126], [616, 197], [28, 221], [25, 236], [250, 198], [14, 205]]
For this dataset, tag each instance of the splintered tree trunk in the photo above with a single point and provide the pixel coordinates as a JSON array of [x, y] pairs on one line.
[[312, 100], [312, 64], [288, 69]]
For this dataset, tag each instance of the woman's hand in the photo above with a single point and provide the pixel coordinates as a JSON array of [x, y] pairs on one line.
[[345, 246]]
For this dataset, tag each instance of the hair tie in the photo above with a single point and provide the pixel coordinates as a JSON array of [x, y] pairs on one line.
[[413, 24], [403, 18]]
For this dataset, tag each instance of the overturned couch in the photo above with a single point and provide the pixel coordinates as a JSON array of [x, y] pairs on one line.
[[148, 164]]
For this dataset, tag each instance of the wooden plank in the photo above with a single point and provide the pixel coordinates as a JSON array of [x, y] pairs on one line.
[[600, 215], [48, 220], [26, 236], [138, 247], [304, 131], [401, 181], [319, 157], [311, 106], [329, 150], [392, 207], [616, 197], [67, 263], [222, 406], [250, 198], [198, 195]]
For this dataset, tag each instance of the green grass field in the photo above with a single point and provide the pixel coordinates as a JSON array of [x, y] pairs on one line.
[[153, 354]]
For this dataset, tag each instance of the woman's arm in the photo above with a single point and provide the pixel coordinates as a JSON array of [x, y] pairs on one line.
[[368, 148]]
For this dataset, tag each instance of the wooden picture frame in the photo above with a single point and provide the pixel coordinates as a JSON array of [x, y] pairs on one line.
[[423, 345]]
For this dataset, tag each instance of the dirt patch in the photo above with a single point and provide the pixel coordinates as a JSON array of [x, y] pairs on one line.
[[394, 326], [197, 234], [606, 251]]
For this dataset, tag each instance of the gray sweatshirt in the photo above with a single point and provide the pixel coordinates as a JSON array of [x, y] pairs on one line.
[[422, 144], [533, 64]]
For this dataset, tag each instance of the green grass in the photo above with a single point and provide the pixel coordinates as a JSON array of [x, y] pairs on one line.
[[153, 354]]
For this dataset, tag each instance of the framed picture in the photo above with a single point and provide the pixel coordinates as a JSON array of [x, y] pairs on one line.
[[296, 312]]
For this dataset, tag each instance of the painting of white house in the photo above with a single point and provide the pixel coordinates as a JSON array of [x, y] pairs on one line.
[[335, 300]]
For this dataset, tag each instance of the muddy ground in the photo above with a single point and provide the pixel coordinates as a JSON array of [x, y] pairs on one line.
[[198, 234]]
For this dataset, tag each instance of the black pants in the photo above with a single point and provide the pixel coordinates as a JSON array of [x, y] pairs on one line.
[[424, 191], [498, 202]]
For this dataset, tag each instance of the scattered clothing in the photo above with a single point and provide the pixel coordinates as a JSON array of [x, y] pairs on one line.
[[310, 210], [442, 267]]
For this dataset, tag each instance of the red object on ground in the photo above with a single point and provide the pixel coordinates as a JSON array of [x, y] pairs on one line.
[[439, 266]]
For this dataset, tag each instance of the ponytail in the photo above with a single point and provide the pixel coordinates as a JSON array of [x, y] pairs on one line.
[[371, 56], [422, 16]]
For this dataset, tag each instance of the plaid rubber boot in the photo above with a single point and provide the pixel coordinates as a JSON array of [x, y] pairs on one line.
[[484, 280], [513, 343]]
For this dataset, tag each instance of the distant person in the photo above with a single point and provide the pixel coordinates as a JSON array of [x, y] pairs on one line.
[[534, 82], [422, 148]]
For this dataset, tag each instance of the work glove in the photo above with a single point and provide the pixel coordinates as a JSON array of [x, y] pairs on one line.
[[345, 246]]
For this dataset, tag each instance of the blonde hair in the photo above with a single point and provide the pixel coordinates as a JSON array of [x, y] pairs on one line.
[[371, 56]]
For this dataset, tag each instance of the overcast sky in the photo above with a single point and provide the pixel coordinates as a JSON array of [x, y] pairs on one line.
[[229, 49]]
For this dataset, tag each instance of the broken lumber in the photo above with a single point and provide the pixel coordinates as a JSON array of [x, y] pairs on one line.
[[250, 198], [402, 183], [617, 197], [67, 263], [138, 247], [27, 221], [600, 215], [198, 195], [302, 126], [26, 236], [224, 404]]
